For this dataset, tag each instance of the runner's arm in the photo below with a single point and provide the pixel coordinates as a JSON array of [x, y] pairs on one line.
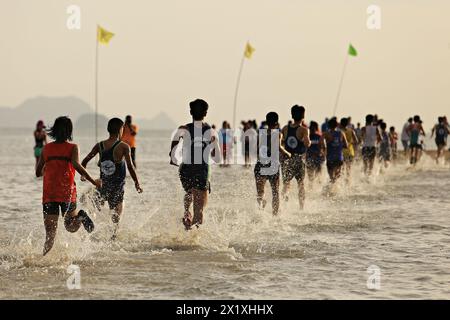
[[306, 140], [80, 169], [175, 141], [282, 149], [40, 166], [344, 140], [127, 155], [90, 155]]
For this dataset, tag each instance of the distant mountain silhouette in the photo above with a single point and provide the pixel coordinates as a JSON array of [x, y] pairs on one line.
[[160, 122], [49, 108], [42, 108]]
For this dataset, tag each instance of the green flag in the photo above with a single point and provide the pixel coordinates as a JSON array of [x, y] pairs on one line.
[[352, 51]]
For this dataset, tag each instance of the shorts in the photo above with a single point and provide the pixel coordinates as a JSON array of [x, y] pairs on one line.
[[348, 158], [293, 167], [52, 208], [415, 146], [261, 175], [369, 153], [405, 144], [38, 151], [334, 164], [194, 177], [440, 142], [385, 155], [112, 192]]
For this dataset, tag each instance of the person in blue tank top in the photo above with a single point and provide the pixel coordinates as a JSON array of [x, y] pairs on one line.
[[115, 156], [415, 130], [335, 143], [315, 152], [295, 141], [442, 131], [200, 143]]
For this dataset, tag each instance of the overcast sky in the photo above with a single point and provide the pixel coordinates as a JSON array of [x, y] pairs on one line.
[[166, 53]]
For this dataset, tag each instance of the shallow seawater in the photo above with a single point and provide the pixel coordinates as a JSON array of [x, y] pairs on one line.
[[397, 220]]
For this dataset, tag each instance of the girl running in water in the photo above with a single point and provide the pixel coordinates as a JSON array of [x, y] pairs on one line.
[[58, 163]]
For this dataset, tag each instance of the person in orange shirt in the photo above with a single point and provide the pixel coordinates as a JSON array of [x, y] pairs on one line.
[[58, 162], [129, 137]]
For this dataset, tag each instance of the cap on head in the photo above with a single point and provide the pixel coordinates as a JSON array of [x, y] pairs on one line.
[[199, 109]]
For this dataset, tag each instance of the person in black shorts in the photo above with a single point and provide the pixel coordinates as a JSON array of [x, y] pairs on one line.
[[296, 141], [200, 142], [267, 167], [441, 130], [114, 155]]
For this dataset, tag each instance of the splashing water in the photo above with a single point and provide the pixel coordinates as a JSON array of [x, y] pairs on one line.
[[395, 219]]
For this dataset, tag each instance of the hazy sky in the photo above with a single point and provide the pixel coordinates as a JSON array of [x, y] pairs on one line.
[[166, 53]]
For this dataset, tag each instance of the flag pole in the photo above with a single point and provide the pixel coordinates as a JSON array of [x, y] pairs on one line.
[[96, 86], [237, 90], [340, 85]]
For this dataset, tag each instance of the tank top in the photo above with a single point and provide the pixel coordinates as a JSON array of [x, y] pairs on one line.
[[314, 149], [441, 133], [59, 173], [264, 147], [39, 142], [384, 145], [415, 132], [335, 147], [292, 143], [370, 136], [349, 151], [195, 144], [111, 171]]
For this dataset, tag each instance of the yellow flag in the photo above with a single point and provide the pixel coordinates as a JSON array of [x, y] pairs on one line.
[[103, 36], [249, 51]]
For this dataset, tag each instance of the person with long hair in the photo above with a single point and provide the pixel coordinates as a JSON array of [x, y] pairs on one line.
[[58, 163]]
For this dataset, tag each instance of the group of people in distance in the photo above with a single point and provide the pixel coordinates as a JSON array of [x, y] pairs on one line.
[[292, 151], [58, 161]]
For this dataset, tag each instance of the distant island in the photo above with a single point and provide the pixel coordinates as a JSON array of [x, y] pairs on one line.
[[48, 108]]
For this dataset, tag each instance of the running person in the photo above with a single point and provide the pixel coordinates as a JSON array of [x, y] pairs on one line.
[[130, 131], [315, 152], [352, 140], [58, 163], [442, 131], [405, 136], [295, 141], [335, 143], [267, 166], [414, 131], [40, 139], [115, 156], [385, 146], [199, 143], [393, 138], [370, 136]]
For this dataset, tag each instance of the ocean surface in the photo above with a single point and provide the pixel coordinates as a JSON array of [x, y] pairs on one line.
[[396, 223]]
